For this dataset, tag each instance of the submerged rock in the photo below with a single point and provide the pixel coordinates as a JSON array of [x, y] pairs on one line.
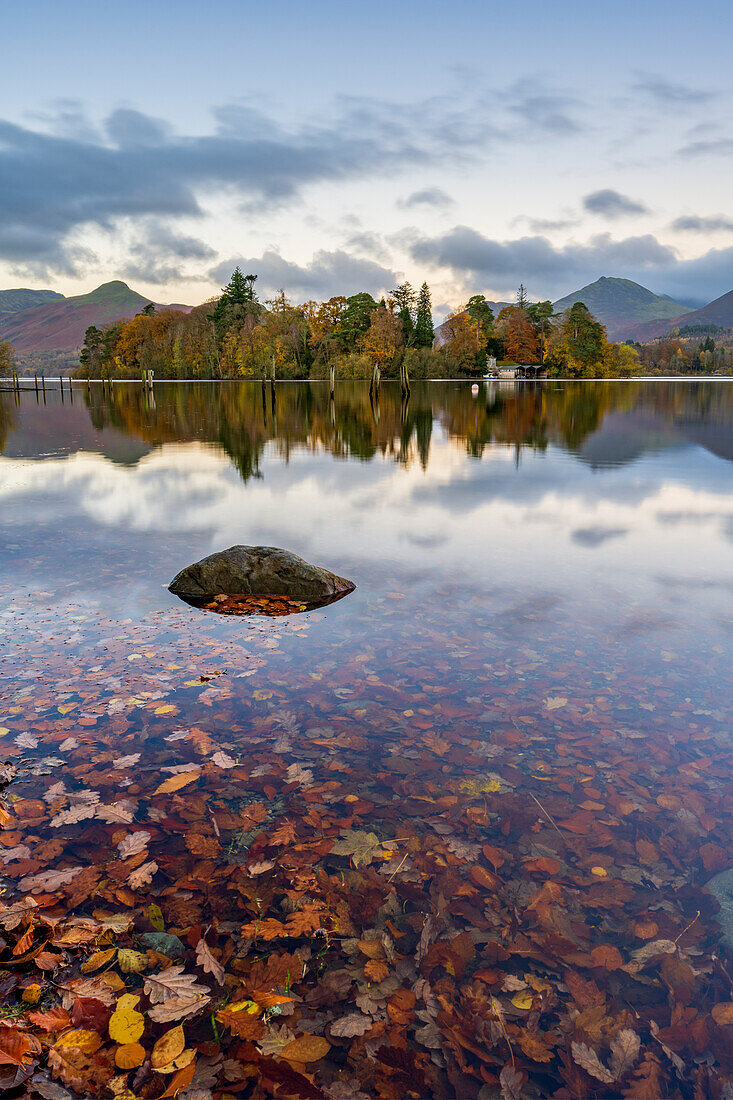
[[259, 571], [721, 887]]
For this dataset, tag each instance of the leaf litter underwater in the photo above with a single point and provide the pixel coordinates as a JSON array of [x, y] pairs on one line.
[[242, 858]]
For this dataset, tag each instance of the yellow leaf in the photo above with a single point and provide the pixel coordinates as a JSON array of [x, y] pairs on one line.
[[168, 1047], [80, 1039], [599, 872], [97, 960], [32, 994], [307, 1048], [131, 962], [185, 1058], [168, 708], [127, 1001], [244, 1006], [126, 1025], [523, 999], [177, 782], [129, 1055]]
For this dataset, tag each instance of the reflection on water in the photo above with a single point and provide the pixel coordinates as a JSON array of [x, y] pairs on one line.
[[542, 619]]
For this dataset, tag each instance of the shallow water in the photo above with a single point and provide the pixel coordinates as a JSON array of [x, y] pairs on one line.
[[536, 661]]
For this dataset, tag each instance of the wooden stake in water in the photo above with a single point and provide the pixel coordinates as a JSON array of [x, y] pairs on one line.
[[332, 382]]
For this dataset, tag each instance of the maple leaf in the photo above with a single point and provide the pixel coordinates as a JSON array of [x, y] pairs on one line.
[[304, 920], [588, 1060], [133, 844], [208, 963], [360, 846]]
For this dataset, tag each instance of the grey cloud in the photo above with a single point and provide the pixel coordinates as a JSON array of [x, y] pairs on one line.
[[671, 93], [328, 273], [429, 196], [596, 536], [691, 223], [722, 147], [502, 264], [54, 183], [158, 255], [541, 108], [611, 204], [546, 225]]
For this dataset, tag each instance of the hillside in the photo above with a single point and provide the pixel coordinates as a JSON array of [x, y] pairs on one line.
[[718, 312], [11, 301], [621, 305], [59, 325]]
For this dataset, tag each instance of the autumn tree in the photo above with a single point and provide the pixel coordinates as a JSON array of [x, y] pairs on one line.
[[384, 337], [520, 336], [356, 319], [424, 333], [463, 338], [583, 337], [237, 301]]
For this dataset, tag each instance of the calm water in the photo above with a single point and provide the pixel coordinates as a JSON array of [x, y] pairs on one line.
[[544, 597]]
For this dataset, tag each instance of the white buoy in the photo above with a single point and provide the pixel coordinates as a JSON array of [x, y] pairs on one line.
[[474, 389]]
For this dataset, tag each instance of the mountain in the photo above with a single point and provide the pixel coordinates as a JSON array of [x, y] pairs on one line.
[[621, 305], [59, 325], [11, 301], [718, 312]]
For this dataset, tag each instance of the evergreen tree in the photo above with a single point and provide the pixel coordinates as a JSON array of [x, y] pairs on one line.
[[356, 318], [404, 296], [522, 299], [423, 333], [239, 292]]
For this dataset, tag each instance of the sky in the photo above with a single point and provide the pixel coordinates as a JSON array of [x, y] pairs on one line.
[[330, 148]]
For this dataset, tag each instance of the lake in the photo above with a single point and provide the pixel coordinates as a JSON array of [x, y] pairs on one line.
[[450, 834]]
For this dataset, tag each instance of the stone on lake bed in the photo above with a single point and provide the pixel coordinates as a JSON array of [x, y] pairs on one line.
[[259, 571], [721, 887]]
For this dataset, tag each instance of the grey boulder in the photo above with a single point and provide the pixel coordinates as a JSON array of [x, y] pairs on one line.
[[258, 571]]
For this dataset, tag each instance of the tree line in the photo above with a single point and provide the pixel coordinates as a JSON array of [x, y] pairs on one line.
[[237, 336]]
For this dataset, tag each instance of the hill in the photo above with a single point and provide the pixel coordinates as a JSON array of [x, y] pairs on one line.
[[718, 312], [11, 301], [621, 305], [59, 325]]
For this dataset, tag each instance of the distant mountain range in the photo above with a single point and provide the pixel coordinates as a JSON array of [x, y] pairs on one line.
[[11, 301], [719, 312], [622, 305], [59, 324]]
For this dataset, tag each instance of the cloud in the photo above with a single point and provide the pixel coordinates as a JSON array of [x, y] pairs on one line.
[[500, 265], [159, 254], [612, 204], [722, 147], [54, 183], [429, 196], [691, 223], [328, 273], [671, 93], [540, 108]]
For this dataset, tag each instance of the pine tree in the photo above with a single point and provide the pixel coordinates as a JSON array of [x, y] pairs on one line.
[[522, 299], [404, 296], [424, 334], [239, 291]]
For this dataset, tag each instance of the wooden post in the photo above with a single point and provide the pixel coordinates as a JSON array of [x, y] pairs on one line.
[[332, 382], [43, 383], [404, 379], [374, 384], [35, 379]]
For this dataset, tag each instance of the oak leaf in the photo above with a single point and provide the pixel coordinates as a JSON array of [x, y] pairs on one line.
[[143, 875], [356, 1023], [133, 844], [588, 1060], [625, 1048], [208, 963]]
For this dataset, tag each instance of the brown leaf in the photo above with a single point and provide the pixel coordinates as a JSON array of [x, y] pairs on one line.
[[588, 1060], [208, 963]]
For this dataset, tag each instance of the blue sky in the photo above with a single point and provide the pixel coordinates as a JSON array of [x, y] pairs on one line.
[[331, 148]]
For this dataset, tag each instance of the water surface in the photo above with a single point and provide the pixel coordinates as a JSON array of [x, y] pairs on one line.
[[536, 661]]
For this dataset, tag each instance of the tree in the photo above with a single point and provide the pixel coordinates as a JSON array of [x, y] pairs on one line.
[[481, 312], [424, 332], [238, 299], [356, 319], [91, 353], [541, 314], [7, 357], [404, 297], [463, 339], [148, 310], [520, 336], [384, 337], [522, 299], [583, 337]]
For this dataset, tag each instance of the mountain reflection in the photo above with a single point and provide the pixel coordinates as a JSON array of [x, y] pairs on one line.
[[601, 423]]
